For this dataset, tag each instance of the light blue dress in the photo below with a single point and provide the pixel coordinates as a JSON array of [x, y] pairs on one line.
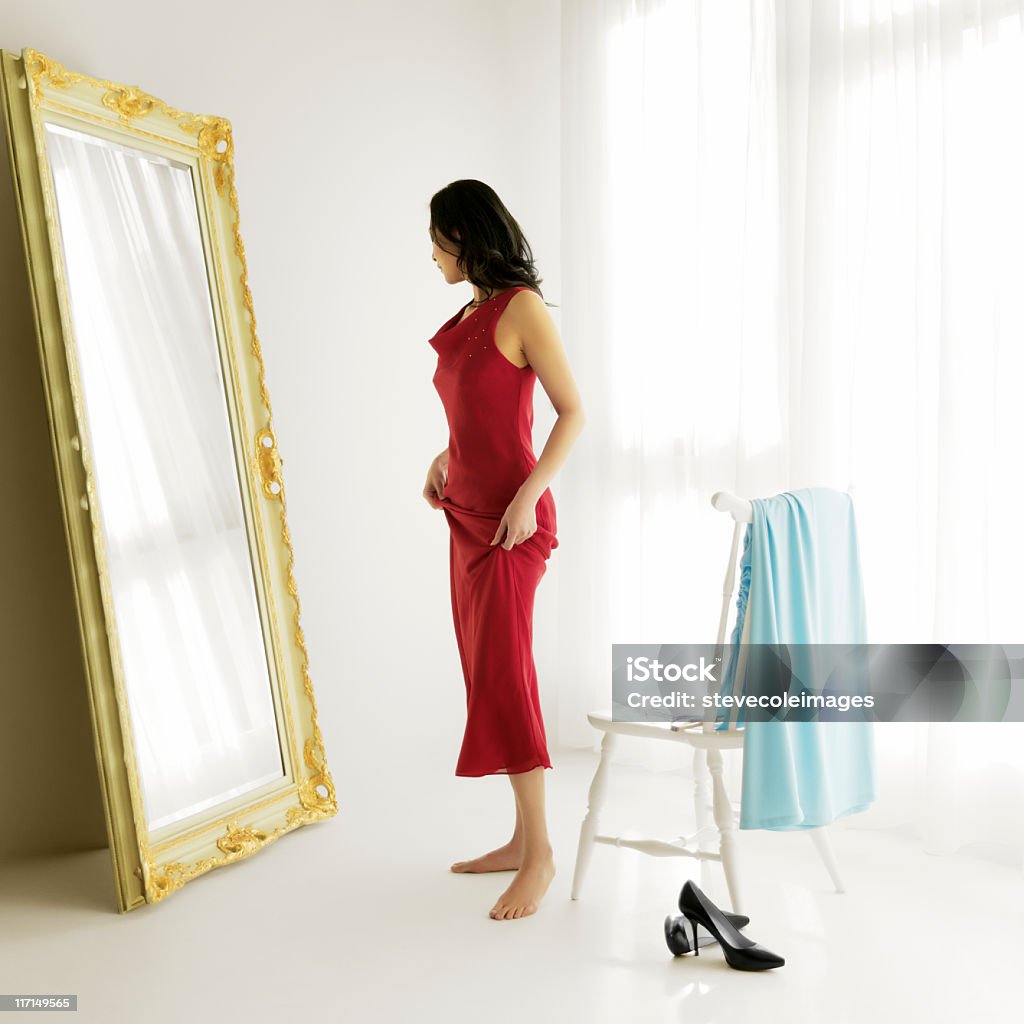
[[800, 583]]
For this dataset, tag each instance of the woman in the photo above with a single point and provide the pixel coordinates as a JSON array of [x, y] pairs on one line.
[[500, 512]]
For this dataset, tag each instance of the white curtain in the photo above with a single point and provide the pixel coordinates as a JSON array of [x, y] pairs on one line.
[[793, 246]]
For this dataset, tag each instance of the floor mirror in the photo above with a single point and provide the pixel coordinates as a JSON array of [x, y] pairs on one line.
[[203, 711]]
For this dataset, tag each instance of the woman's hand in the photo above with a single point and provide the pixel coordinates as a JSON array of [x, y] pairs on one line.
[[519, 522], [437, 479]]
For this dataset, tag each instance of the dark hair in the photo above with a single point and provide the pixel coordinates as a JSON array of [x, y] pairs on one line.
[[493, 252]]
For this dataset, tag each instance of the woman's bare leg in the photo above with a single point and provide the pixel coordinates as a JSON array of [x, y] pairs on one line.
[[537, 865], [504, 858]]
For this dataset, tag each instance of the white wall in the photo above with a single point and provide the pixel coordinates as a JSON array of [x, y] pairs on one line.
[[347, 117]]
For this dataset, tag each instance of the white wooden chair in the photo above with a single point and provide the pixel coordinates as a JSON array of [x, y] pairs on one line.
[[707, 742]]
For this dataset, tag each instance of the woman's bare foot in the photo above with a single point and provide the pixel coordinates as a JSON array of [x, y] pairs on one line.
[[504, 858], [527, 889]]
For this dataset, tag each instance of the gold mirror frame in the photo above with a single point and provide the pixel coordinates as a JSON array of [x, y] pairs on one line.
[[148, 868]]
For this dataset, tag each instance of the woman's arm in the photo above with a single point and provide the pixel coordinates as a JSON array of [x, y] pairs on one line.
[[437, 477], [540, 343]]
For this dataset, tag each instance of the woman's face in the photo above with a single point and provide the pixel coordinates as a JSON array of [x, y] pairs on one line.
[[445, 253]]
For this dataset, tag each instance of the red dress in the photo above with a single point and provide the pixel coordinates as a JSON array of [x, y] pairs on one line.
[[489, 405]]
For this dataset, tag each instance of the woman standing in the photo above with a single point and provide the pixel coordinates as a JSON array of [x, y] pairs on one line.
[[501, 514]]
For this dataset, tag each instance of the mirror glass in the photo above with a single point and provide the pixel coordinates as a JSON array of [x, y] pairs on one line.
[[189, 637]]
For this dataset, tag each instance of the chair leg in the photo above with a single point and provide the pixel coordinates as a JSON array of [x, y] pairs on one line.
[[701, 794], [588, 830], [823, 845], [726, 822]]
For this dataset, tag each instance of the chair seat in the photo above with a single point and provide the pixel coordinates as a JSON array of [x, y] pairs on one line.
[[690, 733]]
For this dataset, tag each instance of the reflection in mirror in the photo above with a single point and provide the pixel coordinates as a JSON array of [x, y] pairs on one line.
[[189, 637]]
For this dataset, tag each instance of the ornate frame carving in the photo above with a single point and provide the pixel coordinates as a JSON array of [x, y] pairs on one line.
[[35, 89]]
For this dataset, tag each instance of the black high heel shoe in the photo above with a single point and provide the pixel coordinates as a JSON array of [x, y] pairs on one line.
[[678, 941], [741, 953]]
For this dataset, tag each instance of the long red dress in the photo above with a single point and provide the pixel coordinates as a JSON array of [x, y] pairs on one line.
[[489, 405]]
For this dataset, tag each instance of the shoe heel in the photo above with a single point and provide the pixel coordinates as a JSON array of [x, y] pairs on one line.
[[696, 948]]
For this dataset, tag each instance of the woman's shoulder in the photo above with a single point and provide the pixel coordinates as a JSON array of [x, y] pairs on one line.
[[525, 300], [524, 295]]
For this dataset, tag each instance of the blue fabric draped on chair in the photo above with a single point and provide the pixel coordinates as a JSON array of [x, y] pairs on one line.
[[800, 583]]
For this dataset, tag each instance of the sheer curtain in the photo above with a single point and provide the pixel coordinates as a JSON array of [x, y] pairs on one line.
[[793, 242]]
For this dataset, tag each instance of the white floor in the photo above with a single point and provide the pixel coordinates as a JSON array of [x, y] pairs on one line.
[[358, 919]]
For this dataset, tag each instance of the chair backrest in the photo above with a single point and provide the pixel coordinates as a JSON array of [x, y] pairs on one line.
[[743, 513]]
